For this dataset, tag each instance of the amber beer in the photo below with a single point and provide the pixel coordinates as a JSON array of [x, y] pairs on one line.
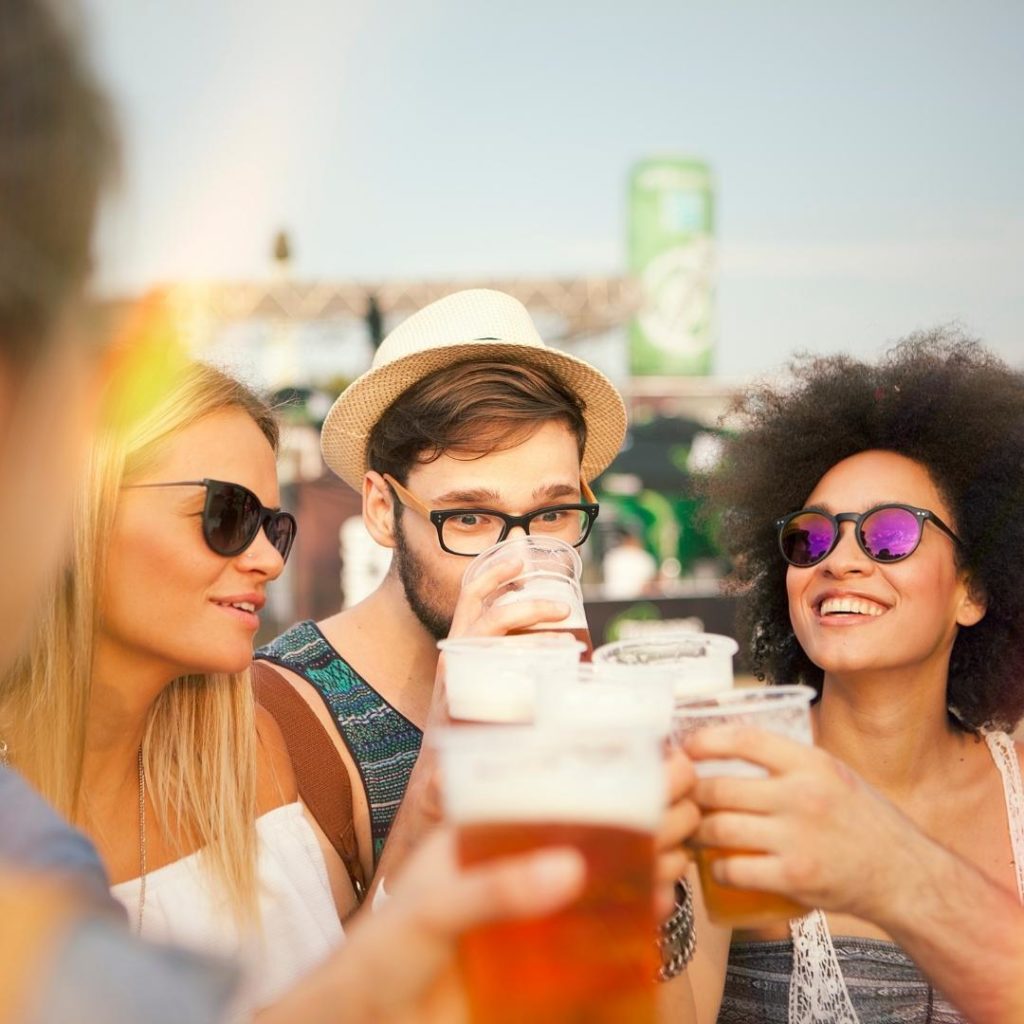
[[515, 790], [740, 908], [551, 588]]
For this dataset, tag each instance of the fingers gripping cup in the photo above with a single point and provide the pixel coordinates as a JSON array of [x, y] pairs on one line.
[[784, 710], [551, 572], [699, 663], [509, 791]]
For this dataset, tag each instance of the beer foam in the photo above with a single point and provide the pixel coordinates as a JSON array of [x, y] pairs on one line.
[[631, 795], [606, 702], [495, 682], [544, 587], [511, 701]]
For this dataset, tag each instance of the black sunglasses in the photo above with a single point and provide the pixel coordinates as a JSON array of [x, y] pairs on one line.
[[885, 533], [233, 516]]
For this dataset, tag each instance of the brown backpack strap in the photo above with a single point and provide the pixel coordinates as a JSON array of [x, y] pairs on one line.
[[321, 774]]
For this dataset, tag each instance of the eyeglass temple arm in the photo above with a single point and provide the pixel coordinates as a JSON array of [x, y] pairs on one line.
[[406, 497]]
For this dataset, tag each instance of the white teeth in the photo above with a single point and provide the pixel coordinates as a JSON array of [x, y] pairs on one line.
[[850, 605], [244, 605]]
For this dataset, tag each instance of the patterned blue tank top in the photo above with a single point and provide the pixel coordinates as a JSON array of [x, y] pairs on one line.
[[383, 743]]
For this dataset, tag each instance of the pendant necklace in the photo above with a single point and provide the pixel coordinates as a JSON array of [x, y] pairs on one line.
[[142, 843]]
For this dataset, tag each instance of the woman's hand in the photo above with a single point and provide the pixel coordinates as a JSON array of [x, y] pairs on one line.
[[815, 831]]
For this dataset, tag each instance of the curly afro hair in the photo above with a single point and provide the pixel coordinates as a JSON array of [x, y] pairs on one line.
[[938, 398]]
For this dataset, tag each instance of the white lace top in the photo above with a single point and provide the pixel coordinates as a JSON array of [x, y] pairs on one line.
[[817, 990], [299, 918]]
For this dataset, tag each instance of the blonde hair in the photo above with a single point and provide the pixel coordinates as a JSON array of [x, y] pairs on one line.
[[199, 746]]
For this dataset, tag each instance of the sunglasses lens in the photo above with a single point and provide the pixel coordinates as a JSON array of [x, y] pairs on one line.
[[890, 534], [281, 531], [232, 518], [807, 538]]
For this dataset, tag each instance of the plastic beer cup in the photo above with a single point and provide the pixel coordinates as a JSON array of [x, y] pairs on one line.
[[496, 679], [608, 695], [780, 709], [551, 572], [513, 790], [699, 663]]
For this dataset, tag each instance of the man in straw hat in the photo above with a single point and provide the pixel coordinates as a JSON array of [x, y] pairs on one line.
[[464, 407], [464, 412]]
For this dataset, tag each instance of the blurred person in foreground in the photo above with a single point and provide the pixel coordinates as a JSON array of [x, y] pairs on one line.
[[64, 951], [873, 513]]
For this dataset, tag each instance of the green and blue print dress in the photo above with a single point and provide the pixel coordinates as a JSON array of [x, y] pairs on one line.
[[383, 743]]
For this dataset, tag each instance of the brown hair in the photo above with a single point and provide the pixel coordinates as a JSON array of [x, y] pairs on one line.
[[473, 408], [57, 152]]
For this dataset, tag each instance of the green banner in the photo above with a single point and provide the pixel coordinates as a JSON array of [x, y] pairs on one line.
[[671, 253]]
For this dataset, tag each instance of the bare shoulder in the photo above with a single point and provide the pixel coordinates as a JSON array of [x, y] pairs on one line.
[[275, 777]]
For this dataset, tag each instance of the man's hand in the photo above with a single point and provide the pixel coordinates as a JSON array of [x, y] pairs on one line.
[[398, 963], [679, 823], [475, 616]]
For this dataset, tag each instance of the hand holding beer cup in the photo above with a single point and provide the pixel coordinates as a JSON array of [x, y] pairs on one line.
[[782, 710], [527, 584], [813, 831], [512, 790]]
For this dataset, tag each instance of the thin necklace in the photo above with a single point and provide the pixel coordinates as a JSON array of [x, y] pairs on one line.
[[142, 843]]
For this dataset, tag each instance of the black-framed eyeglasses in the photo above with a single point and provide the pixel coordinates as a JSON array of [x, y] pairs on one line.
[[885, 533], [233, 516], [468, 531]]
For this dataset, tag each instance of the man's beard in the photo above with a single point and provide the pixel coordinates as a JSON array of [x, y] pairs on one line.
[[420, 590]]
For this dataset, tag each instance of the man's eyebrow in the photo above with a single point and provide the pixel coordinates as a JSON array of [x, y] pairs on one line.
[[482, 496], [478, 496], [550, 491]]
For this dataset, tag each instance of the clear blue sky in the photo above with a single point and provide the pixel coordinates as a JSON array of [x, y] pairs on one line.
[[869, 157]]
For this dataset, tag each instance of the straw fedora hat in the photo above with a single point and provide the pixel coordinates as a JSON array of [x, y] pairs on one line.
[[467, 325]]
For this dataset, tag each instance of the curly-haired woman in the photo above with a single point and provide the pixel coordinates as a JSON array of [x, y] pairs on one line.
[[874, 516]]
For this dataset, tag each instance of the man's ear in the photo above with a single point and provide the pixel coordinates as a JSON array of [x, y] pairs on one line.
[[973, 604], [379, 509]]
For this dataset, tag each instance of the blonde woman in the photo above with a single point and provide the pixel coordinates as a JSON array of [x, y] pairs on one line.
[[132, 710]]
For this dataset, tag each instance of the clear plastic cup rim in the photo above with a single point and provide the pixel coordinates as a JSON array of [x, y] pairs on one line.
[[553, 544], [711, 705], [716, 644]]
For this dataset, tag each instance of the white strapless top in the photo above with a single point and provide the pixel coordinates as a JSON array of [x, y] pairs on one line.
[[300, 923]]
